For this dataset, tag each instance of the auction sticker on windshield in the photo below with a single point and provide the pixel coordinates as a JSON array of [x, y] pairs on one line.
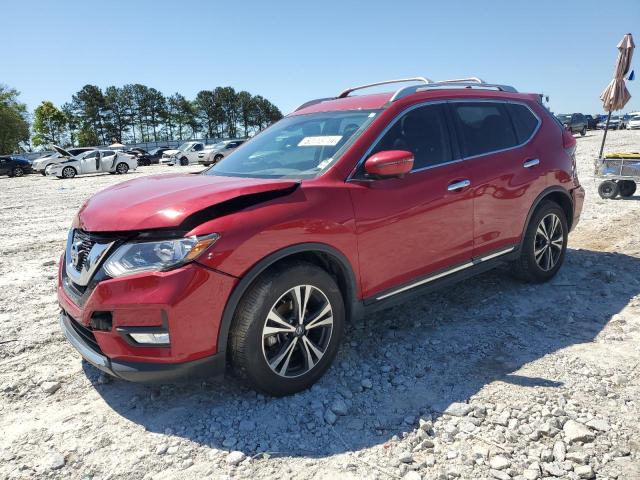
[[320, 141]]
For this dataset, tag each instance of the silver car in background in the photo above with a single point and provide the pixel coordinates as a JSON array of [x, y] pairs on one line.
[[215, 153]]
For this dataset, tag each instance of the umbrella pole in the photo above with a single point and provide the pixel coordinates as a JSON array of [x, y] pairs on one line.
[[604, 137]]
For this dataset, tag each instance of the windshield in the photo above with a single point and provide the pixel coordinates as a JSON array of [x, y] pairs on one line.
[[185, 146], [300, 146], [564, 118]]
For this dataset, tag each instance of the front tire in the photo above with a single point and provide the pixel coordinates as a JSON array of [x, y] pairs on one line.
[[544, 245], [18, 172], [217, 158], [68, 172], [287, 329], [184, 162], [608, 189], [583, 132]]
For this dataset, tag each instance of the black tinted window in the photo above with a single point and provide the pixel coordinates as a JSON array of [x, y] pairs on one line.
[[524, 121], [485, 127], [423, 132]]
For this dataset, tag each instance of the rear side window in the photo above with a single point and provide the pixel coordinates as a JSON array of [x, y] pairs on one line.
[[485, 127], [422, 131], [524, 121]]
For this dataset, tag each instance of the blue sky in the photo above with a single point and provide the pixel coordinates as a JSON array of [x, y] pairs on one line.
[[293, 51]]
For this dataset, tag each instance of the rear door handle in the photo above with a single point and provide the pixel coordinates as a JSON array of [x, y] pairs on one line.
[[531, 163], [458, 185]]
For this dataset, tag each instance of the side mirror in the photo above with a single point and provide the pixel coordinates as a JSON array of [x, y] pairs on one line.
[[389, 163]]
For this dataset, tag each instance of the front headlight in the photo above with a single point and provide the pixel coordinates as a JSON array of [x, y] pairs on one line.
[[136, 257]]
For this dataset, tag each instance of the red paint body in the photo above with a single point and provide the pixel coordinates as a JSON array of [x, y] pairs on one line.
[[391, 230]]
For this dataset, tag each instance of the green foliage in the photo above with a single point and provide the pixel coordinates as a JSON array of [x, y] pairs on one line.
[[14, 127], [49, 124]]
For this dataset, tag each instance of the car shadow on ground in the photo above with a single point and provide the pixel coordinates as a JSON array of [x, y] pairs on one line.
[[418, 357]]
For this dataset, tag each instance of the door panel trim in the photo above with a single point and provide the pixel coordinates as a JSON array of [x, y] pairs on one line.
[[447, 272]]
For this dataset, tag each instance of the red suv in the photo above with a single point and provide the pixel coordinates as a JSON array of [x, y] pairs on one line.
[[346, 205]]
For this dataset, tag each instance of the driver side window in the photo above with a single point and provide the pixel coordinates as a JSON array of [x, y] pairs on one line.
[[422, 131]]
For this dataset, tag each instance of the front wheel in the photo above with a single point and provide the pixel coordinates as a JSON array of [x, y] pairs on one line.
[[18, 172], [122, 168], [583, 132], [217, 158], [287, 329], [544, 245], [68, 172], [608, 190], [184, 162]]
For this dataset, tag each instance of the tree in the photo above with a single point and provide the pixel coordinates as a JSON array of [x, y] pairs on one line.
[[117, 115], [87, 136], [228, 100], [209, 112], [49, 124], [72, 122], [248, 110], [89, 106], [14, 127]]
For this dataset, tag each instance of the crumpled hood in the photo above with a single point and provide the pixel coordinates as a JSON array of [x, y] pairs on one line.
[[165, 201]]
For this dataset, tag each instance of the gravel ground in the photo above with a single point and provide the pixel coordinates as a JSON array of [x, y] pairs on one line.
[[489, 379]]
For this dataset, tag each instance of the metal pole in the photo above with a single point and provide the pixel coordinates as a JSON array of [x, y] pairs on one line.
[[604, 137]]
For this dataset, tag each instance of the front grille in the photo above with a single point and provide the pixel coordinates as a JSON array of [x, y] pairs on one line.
[[84, 247], [87, 335]]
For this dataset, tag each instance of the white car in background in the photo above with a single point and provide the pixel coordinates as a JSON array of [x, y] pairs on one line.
[[40, 164], [634, 123], [213, 154], [94, 161], [185, 154]]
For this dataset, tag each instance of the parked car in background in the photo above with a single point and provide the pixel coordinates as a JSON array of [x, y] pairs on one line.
[[14, 166], [95, 161], [185, 154], [141, 155], [574, 122], [592, 122], [215, 153], [634, 122], [617, 122], [156, 154], [345, 206], [40, 164]]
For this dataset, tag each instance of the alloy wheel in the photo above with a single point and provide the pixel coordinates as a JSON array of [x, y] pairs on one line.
[[549, 241], [297, 331], [122, 168], [68, 172], [18, 172]]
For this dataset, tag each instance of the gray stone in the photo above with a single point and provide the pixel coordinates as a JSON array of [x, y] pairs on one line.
[[553, 469], [162, 449], [229, 442], [412, 475], [366, 383], [405, 457], [500, 475], [584, 471], [54, 461], [577, 432], [247, 425], [499, 462], [598, 424], [458, 409], [559, 451], [578, 457], [235, 457], [339, 407], [530, 474], [330, 417], [50, 387]]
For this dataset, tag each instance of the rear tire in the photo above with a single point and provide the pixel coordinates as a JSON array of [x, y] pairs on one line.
[[544, 245], [265, 353], [68, 172], [583, 132], [627, 188], [608, 189], [122, 168]]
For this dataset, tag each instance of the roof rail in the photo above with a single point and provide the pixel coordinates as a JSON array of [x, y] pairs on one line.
[[462, 83], [313, 102], [346, 92]]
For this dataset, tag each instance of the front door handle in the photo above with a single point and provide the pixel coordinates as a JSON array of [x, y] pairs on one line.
[[458, 185], [531, 163]]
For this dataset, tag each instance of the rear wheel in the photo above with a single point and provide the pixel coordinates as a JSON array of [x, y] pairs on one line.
[[544, 245], [68, 172], [608, 189], [583, 132], [184, 162], [287, 329], [122, 168], [627, 188]]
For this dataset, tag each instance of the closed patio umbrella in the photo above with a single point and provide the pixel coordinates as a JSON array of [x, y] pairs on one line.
[[116, 145], [616, 95]]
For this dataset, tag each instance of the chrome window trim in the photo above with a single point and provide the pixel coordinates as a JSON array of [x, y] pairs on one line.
[[351, 176]]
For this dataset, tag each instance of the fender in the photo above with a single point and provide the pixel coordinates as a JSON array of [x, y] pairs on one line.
[[544, 194], [353, 305]]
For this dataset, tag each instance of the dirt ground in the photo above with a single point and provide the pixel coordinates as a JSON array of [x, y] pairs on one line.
[[489, 379]]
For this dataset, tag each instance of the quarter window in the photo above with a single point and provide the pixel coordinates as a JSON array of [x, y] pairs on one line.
[[524, 121], [485, 127], [423, 132]]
